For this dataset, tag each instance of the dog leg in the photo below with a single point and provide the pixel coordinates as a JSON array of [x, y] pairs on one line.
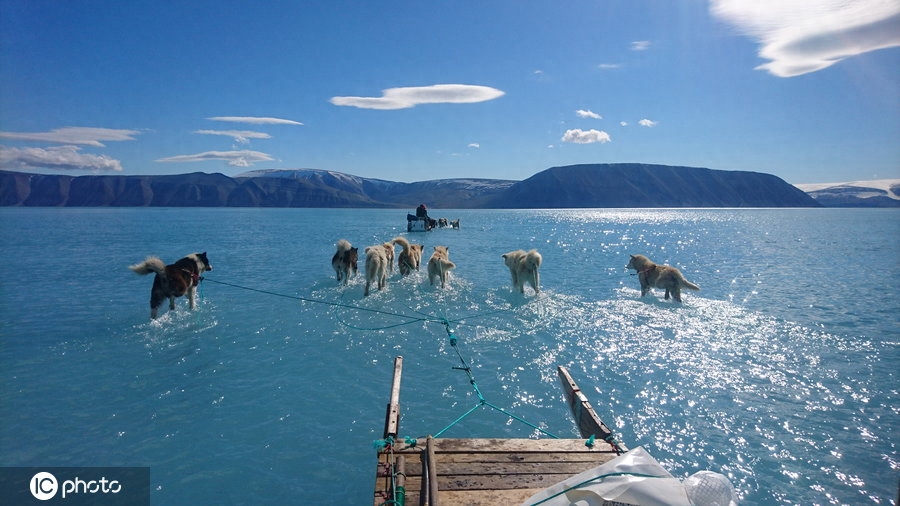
[[172, 303], [667, 294], [676, 294], [192, 298]]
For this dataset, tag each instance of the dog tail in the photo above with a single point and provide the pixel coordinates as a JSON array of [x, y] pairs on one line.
[[446, 265], [151, 264], [402, 242], [687, 284], [343, 245]]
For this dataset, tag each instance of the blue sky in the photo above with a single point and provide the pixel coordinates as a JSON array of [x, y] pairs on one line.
[[808, 90]]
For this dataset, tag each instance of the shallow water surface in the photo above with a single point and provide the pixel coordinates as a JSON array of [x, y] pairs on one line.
[[780, 373]]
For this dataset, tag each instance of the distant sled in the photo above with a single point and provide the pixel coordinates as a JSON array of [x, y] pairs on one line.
[[418, 224]]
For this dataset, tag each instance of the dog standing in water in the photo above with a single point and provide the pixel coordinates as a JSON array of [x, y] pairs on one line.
[[376, 267], [410, 257], [439, 265], [652, 275], [523, 266], [175, 280], [344, 261]]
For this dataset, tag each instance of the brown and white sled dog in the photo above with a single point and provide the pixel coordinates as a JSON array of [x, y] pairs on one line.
[[439, 265], [376, 267], [410, 257], [344, 261], [523, 266], [652, 275], [175, 280]]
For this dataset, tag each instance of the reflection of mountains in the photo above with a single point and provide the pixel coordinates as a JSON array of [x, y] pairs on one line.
[[576, 186]]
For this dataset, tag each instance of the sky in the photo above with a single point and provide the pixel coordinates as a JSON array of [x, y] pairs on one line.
[[807, 90]]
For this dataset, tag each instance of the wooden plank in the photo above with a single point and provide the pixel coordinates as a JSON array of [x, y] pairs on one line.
[[589, 423], [392, 417], [525, 446], [431, 464], [486, 497]]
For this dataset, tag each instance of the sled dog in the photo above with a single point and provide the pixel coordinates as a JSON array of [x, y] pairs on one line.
[[653, 275], [439, 265], [175, 280], [523, 266], [345, 261], [410, 257], [376, 267]]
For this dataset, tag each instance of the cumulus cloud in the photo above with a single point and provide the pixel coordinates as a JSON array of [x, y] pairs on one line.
[[58, 158], [404, 98], [799, 37], [579, 136], [240, 136], [86, 136], [647, 123], [255, 120], [241, 158], [587, 114], [640, 45]]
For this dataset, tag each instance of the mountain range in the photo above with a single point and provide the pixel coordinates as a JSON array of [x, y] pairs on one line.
[[619, 185]]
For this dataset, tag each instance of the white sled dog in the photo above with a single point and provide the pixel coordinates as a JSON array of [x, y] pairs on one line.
[[376, 267], [344, 261], [523, 266], [653, 275], [410, 257], [439, 265], [175, 280]]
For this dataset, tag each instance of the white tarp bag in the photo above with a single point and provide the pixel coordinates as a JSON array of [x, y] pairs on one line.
[[634, 478]]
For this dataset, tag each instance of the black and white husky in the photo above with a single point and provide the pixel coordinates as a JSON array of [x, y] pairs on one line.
[[175, 280]]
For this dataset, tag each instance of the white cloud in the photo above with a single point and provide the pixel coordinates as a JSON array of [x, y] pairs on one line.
[[240, 136], [474, 145], [87, 136], [804, 36], [608, 66], [587, 114], [623, 123], [640, 45], [648, 123], [579, 136], [255, 120], [404, 98], [58, 157], [242, 158]]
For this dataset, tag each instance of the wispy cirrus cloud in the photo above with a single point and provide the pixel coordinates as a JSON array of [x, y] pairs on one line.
[[588, 114], [85, 136], [640, 45], [239, 158], [474, 145], [404, 98], [647, 123], [239, 136], [800, 37], [57, 158], [254, 120], [609, 66], [579, 136]]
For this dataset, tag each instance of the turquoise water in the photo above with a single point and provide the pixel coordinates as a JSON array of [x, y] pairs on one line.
[[781, 373]]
